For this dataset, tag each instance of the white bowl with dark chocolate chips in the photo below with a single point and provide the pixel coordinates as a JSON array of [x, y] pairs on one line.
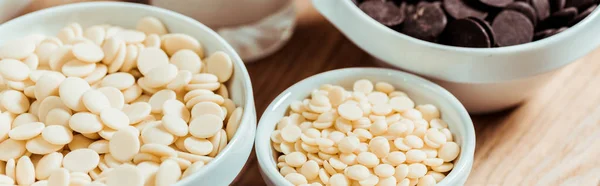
[[491, 54]]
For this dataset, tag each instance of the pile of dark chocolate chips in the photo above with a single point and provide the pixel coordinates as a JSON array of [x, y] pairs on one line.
[[478, 23]]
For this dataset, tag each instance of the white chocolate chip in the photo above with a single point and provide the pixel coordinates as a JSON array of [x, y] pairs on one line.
[[125, 175], [198, 146], [187, 60], [88, 52], [14, 70], [168, 173], [47, 164], [449, 151], [85, 122], [25, 171], [159, 98], [175, 125], [71, 91], [176, 42], [17, 49], [151, 25], [124, 145], [77, 68], [59, 177], [220, 64], [57, 135], [205, 126], [161, 75], [150, 58], [114, 96], [81, 160], [15, 101], [26, 131], [114, 118]]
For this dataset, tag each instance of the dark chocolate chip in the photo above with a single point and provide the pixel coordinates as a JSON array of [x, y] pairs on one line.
[[496, 3], [387, 13], [478, 23], [580, 4], [410, 9], [436, 3], [557, 31], [560, 18], [542, 8], [398, 2], [487, 27], [557, 5], [465, 33], [543, 34], [512, 28], [426, 22], [526, 9], [460, 10], [582, 15]]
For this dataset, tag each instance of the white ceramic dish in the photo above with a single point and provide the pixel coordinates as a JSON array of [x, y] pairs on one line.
[[483, 79], [226, 166], [419, 89]]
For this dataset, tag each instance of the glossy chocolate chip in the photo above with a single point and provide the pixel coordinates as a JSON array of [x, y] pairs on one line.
[[465, 33], [560, 18], [512, 28], [557, 5], [542, 8], [458, 9], [582, 15], [386, 13], [487, 27], [557, 31], [525, 8], [426, 22], [543, 34], [496, 3], [466, 23]]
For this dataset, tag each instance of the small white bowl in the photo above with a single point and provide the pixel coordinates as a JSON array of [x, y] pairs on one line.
[[226, 166], [419, 89], [484, 79]]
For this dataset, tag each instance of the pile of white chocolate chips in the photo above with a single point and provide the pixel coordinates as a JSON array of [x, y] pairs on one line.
[[112, 106], [373, 135]]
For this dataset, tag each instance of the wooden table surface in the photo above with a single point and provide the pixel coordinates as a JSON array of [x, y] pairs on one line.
[[552, 139]]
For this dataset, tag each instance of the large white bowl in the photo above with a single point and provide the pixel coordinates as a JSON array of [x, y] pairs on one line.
[[226, 166], [419, 89], [484, 79]]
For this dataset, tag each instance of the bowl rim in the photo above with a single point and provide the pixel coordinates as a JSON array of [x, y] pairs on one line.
[[263, 146], [549, 41], [247, 98]]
